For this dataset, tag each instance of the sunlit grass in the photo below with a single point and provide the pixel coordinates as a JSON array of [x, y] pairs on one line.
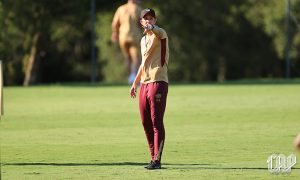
[[94, 132]]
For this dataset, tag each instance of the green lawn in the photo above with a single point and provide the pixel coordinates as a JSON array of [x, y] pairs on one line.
[[94, 132]]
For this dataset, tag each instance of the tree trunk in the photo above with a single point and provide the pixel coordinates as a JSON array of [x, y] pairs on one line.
[[31, 60], [221, 70]]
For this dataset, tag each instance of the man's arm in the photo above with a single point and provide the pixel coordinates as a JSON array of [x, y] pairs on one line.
[[159, 32], [115, 25], [136, 82]]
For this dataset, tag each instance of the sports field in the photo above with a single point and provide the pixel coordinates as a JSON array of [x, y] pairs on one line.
[[94, 132]]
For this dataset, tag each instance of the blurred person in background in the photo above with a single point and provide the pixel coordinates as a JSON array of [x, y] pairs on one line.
[[127, 31]]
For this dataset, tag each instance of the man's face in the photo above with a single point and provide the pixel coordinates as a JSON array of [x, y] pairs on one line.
[[148, 19]]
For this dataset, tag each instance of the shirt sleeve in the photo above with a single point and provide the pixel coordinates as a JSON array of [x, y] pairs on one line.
[[159, 32]]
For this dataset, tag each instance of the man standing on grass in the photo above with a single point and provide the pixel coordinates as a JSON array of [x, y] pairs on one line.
[[153, 78]]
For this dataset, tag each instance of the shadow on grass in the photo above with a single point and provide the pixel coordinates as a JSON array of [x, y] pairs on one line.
[[165, 165]]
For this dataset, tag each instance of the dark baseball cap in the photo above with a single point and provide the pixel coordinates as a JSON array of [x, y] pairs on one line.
[[148, 11]]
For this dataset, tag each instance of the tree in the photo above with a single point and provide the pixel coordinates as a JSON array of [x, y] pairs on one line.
[[43, 34], [49, 41], [216, 40], [270, 17]]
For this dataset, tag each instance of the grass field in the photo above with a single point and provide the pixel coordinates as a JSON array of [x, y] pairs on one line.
[[94, 132]]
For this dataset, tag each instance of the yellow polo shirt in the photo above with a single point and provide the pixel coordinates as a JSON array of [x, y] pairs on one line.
[[155, 56]]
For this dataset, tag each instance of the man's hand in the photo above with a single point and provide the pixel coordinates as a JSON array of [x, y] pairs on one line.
[[148, 27], [114, 37], [133, 91]]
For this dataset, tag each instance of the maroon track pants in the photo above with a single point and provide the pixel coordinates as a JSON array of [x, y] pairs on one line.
[[152, 103]]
